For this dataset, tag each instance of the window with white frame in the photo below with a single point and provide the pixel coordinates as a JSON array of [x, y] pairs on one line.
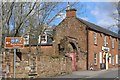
[[95, 58], [100, 57], [112, 59], [105, 38], [26, 40], [116, 59], [112, 42], [42, 38], [95, 38]]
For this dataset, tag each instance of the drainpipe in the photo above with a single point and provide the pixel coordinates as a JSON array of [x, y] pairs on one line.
[[87, 49]]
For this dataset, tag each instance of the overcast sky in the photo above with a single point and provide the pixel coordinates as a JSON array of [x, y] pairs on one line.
[[99, 13]]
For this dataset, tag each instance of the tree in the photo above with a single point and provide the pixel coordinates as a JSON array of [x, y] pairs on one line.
[[28, 18], [18, 17]]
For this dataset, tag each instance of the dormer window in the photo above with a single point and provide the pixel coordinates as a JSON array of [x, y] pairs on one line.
[[26, 40], [42, 38]]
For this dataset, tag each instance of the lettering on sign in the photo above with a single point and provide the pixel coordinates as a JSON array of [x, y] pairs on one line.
[[14, 42]]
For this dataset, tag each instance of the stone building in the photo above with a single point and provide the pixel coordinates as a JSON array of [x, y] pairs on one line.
[[70, 35]]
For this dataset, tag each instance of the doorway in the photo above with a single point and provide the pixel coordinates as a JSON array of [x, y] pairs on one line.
[[73, 54]]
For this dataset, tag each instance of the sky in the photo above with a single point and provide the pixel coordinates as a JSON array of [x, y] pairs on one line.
[[99, 13]]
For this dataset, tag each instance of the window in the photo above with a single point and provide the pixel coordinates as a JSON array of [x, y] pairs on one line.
[[100, 56], [43, 39], [119, 44], [26, 40], [95, 38], [105, 43], [95, 59], [116, 59], [112, 59], [112, 43]]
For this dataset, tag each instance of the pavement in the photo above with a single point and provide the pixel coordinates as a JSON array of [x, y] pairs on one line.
[[87, 74]]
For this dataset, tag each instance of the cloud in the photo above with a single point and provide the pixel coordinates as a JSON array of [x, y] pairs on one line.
[[95, 12], [84, 18], [102, 15]]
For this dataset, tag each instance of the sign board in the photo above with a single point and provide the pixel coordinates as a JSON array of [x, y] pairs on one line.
[[106, 49], [14, 42]]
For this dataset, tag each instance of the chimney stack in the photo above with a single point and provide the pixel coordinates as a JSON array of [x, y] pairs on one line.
[[71, 13]]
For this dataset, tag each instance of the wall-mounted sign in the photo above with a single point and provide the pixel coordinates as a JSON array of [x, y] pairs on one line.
[[106, 49]]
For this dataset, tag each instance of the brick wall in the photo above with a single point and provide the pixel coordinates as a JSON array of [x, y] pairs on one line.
[[98, 48]]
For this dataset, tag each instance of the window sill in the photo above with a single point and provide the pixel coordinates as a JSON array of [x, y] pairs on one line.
[[105, 46], [95, 44], [95, 64]]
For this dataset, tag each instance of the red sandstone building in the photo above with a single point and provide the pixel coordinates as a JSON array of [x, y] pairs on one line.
[[97, 46]]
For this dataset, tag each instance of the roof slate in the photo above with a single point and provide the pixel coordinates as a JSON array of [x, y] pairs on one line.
[[98, 28]]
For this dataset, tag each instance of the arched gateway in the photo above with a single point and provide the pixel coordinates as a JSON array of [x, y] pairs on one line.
[[68, 44], [69, 47]]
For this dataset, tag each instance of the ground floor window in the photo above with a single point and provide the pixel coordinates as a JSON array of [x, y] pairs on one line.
[[116, 59], [100, 56], [112, 59], [95, 58]]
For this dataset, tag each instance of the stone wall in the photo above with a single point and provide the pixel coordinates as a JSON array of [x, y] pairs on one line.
[[53, 65], [46, 66], [46, 50]]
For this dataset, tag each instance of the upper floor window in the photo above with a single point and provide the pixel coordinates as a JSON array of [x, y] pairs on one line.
[[42, 39], [26, 39], [112, 43], [119, 44], [105, 40], [95, 38]]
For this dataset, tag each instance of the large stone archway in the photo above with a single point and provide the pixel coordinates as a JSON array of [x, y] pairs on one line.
[[69, 44]]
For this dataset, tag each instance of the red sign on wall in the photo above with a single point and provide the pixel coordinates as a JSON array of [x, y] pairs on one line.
[[14, 42]]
